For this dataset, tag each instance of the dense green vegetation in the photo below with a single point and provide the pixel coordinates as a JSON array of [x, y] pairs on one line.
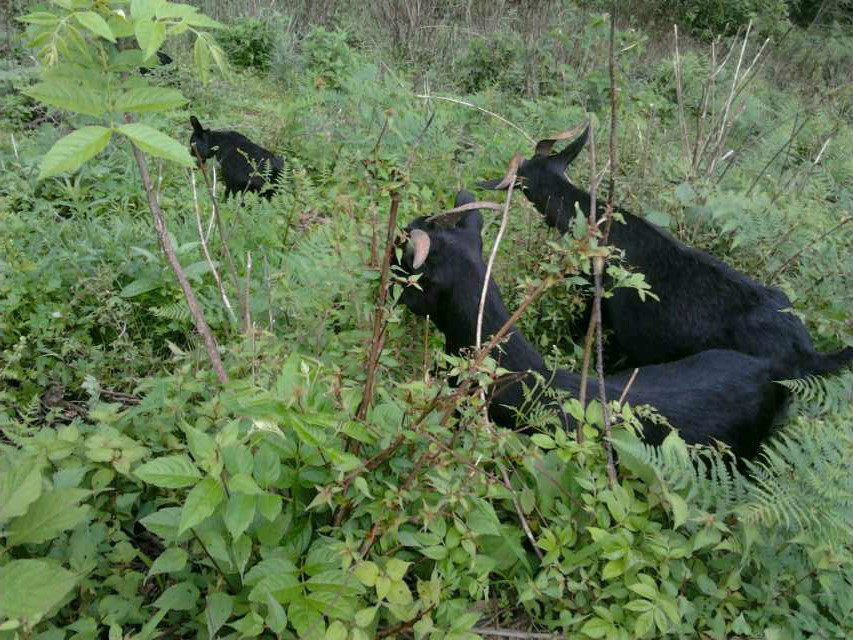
[[140, 497]]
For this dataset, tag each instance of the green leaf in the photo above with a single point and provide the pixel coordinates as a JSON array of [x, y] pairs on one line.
[[32, 587], [201, 57], [336, 631], [543, 441], [243, 483], [179, 597], [169, 472], [306, 620], [169, 561], [399, 593], [276, 616], [267, 467], [68, 94], [96, 24], [50, 515], [644, 624], [269, 506], [203, 449], [239, 513], [644, 590], [69, 153], [597, 628], [364, 617], [680, 510], [366, 572], [20, 486], [150, 35], [163, 523], [241, 550], [219, 607], [140, 286], [201, 502], [396, 569], [156, 143], [145, 99], [249, 626]]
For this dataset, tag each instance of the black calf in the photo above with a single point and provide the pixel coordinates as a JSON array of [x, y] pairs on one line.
[[714, 395], [245, 165], [704, 303]]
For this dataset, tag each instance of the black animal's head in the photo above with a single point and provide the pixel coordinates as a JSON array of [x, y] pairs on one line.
[[542, 176], [444, 251], [200, 143]]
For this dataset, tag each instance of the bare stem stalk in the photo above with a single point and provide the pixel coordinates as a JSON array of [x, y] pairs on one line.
[[378, 340], [172, 258]]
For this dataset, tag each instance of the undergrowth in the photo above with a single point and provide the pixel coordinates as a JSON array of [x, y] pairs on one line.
[[138, 499]]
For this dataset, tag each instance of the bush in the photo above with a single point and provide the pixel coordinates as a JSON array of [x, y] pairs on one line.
[[249, 42], [493, 61], [328, 56], [709, 18]]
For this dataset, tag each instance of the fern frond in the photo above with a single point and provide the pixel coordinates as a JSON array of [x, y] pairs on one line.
[[177, 311]]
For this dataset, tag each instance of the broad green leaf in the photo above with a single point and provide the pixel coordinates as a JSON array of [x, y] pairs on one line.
[[50, 515], [396, 569], [44, 18], [20, 486], [644, 624], [336, 631], [645, 590], [150, 35], [241, 551], [201, 57], [32, 587], [169, 561], [269, 506], [243, 483], [249, 626], [203, 449], [483, 519], [96, 24], [170, 472], [163, 523], [680, 510], [239, 513], [306, 620], [219, 607], [140, 286], [267, 466], [143, 8], [276, 616], [367, 572], [179, 597], [399, 593], [70, 95], [156, 143], [150, 628], [201, 502], [597, 628], [69, 153], [145, 99]]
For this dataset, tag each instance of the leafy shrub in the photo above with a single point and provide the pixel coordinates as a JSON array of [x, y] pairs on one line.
[[708, 18], [249, 42], [328, 56], [493, 61]]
